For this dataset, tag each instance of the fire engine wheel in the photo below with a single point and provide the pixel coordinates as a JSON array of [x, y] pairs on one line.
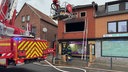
[[54, 7]]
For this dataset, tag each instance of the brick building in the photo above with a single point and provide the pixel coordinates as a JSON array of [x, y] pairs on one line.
[[79, 30], [43, 26]]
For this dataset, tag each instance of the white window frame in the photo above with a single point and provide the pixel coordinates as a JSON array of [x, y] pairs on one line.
[[82, 12], [28, 17], [23, 18], [76, 14]]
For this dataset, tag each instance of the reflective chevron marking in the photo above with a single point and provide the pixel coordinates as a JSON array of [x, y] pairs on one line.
[[24, 46], [44, 46], [29, 49], [33, 49], [21, 44], [29, 45]]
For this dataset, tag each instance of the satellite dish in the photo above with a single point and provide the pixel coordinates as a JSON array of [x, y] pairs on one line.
[[45, 30]]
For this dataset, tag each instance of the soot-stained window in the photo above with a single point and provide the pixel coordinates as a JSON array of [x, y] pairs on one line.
[[72, 27]]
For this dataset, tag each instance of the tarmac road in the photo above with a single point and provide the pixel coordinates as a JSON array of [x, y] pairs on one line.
[[39, 68]]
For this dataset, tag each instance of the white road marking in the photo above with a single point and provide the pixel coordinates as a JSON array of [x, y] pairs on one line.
[[62, 67]]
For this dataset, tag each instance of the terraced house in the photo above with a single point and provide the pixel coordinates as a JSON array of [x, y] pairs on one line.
[[111, 29], [79, 30]]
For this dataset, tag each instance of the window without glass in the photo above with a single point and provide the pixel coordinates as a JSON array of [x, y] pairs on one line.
[[28, 18], [112, 27], [126, 5], [75, 14], [122, 26], [82, 14], [73, 27], [23, 18], [114, 7]]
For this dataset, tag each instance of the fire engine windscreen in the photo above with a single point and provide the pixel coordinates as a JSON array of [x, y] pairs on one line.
[[77, 26]]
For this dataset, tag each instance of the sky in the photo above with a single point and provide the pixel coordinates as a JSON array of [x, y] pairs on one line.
[[45, 5]]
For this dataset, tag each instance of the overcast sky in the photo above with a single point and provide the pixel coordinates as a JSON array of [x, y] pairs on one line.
[[44, 5]]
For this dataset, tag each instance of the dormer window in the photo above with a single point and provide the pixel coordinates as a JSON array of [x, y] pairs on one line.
[[114, 7], [126, 5]]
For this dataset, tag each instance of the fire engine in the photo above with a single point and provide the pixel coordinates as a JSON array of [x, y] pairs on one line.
[[16, 45]]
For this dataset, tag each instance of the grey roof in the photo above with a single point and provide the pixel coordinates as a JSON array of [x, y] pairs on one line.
[[102, 11], [82, 6]]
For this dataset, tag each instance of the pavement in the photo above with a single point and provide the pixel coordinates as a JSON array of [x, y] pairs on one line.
[[98, 65]]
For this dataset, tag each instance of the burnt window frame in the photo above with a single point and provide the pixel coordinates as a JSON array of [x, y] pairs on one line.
[[65, 28], [83, 12]]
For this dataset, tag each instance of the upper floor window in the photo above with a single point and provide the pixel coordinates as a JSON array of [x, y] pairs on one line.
[[83, 14], [23, 18], [28, 18], [111, 27], [74, 27], [117, 27], [75, 14], [122, 26], [126, 5], [114, 7]]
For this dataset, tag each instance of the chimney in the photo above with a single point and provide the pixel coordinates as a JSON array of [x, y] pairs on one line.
[[95, 5]]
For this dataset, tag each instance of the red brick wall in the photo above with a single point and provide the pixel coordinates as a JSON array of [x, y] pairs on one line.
[[78, 35], [51, 31], [34, 19], [37, 22]]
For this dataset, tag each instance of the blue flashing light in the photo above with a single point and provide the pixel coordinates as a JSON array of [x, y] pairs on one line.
[[17, 38]]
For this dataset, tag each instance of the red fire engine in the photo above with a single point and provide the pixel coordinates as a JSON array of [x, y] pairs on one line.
[[15, 46]]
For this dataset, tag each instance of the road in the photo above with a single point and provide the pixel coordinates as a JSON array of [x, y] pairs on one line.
[[39, 68]]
